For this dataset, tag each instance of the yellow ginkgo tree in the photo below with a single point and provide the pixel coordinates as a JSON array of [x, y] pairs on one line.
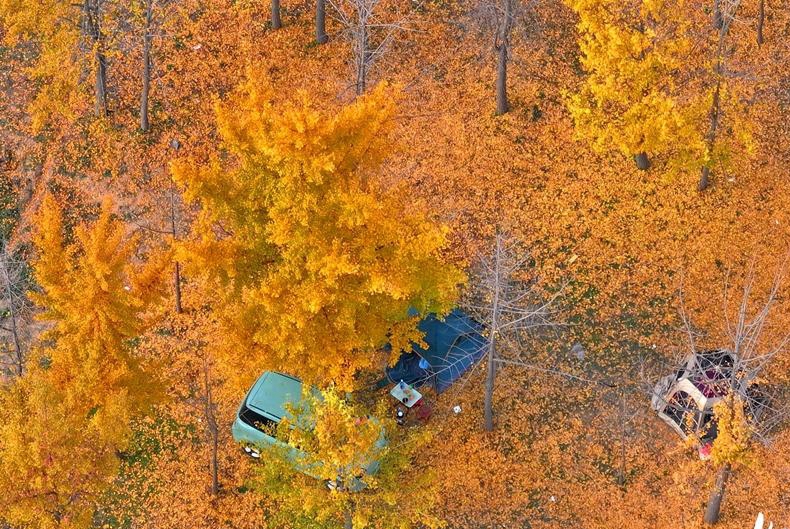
[[314, 263], [338, 466], [93, 298], [71, 57], [64, 423], [733, 446], [55, 459], [630, 100]]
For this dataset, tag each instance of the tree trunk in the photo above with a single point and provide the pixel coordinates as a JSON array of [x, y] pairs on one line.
[[642, 161], [502, 46], [147, 37], [713, 509], [19, 361], [101, 83], [320, 22], [491, 373], [717, 16], [177, 287], [214, 460], [704, 180], [348, 522], [91, 28], [502, 105], [276, 22], [362, 53], [715, 109], [490, 376], [20, 355], [760, 22], [177, 267], [211, 426], [621, 473]]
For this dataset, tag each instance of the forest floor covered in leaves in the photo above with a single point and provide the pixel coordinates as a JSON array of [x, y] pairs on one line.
[[583, 450]]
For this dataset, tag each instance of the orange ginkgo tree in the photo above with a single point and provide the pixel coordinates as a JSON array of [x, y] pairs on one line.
[[66, 421], [313, 262], [71, 40]]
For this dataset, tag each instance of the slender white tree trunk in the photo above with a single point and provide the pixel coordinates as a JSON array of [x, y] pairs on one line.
[[494, 330]]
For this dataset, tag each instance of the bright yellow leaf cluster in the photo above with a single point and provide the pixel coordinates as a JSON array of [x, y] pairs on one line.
[[733, 444], [337, 442], [630, 100], [59, 64], [55, 459], [90, 293]]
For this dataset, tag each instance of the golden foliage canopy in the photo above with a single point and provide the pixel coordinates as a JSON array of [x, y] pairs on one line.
[[94, 298], [630, 97], [335, 441], [316, 264], [65, 421], [733, 443]]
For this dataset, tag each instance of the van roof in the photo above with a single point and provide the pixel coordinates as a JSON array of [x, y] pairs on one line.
[[272, 392]]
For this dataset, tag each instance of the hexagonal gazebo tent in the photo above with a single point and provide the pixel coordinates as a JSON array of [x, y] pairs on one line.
[[685, 399]]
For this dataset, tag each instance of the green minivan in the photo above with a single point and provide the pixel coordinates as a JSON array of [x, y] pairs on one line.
[[262, 410]]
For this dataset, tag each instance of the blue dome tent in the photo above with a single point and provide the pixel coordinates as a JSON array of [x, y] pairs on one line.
[[454, 344]]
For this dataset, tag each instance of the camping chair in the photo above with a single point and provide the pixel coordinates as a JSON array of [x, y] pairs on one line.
[[422, 411]]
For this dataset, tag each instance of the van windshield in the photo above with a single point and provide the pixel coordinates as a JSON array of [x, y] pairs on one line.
[[257, 421]]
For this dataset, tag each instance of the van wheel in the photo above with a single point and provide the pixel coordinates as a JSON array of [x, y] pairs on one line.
[[252, 452]]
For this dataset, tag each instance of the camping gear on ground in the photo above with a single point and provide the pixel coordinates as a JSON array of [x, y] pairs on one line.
[[422, 411], [405, 394], [411, 406], [400, 415]]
